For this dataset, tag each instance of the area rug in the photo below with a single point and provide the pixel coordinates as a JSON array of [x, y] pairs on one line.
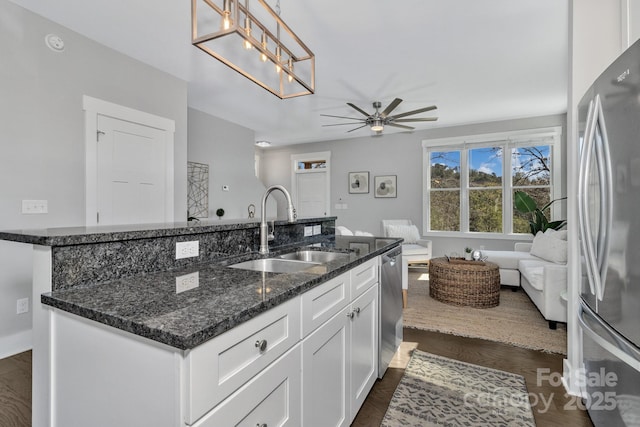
[[438, 391], [515, 321]]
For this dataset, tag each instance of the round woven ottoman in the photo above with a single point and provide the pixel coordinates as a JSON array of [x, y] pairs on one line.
[[460, 282]]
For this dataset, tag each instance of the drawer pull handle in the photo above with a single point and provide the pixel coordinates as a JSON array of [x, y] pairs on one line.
[[350, 314], [261, 425], [262, 345], [357, 310]]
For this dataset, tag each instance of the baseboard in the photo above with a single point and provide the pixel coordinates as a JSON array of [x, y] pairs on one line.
[[16, 343]]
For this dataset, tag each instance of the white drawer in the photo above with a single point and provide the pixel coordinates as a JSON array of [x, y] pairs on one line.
[[220, 366], [363, 276], [322, 302], [273, 398]]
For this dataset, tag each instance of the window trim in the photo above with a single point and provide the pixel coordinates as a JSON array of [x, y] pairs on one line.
[[510, 140]]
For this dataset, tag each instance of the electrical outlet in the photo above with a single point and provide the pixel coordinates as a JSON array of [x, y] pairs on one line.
[[35, 207], [187, 249], [22, 306], [308, 231], [187, 281], [317, 229]]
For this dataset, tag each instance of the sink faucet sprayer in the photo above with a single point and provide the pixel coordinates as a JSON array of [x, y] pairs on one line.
[[265, 237]]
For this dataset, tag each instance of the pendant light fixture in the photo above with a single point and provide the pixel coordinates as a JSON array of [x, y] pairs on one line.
[[227, 30]]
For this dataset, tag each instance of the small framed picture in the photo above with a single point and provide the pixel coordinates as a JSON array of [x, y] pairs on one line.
[[385, 186], [358, 182]]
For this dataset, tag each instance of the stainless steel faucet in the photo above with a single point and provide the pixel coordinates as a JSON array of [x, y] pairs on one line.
[[265, 236]]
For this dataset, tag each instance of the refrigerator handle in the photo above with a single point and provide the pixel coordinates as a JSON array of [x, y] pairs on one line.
[[606, 196], [622, 349], [586, 242]]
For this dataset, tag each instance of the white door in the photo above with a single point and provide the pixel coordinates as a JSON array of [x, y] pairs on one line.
[[311, 194], [131, 168]]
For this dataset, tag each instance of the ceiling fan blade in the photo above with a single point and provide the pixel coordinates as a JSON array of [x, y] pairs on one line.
[[391, 107], [400, 126], [340, 117], [423, 119], [342, 124], [360, 110], [408, 113], [360, 127]]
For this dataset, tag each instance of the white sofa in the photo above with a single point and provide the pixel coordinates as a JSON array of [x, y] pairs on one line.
[[415, 250], [544, 280]]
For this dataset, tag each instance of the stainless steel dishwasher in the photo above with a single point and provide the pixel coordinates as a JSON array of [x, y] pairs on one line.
[[390, 327]]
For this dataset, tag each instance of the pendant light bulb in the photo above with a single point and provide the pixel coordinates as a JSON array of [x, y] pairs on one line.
[[247, 28], [263, 56], [290, 66], [226, 16], [278, 56]]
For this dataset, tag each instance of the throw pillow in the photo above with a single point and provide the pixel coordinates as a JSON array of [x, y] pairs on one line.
[[409, 233], [558, 234], [549, 248]]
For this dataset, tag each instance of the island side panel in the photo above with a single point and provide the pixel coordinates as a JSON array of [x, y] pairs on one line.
[[41, 354]]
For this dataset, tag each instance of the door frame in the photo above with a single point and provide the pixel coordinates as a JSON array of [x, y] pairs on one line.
[[92, 108], [322, 155]]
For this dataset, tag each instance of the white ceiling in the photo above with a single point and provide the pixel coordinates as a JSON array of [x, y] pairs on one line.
[[477, 60]]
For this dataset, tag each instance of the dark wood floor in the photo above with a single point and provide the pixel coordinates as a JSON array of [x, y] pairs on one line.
[[561, 411], [15, 379], [15, 390]]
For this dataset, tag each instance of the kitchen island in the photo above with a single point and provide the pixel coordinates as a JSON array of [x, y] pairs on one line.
[[162, 332]]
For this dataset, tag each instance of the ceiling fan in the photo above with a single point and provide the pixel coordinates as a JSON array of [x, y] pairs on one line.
[[378, 120]]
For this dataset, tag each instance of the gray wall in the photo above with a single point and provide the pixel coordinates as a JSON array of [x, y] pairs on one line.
[[391, 154], [42, 139], [229, 151]]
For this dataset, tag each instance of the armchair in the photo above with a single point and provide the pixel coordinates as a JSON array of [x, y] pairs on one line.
[[414, 249]]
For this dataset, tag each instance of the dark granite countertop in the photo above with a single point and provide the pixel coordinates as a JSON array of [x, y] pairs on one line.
[[148, 305], [65, 236]]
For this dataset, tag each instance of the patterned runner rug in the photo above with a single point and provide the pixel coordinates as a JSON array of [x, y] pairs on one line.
[[438, 391]]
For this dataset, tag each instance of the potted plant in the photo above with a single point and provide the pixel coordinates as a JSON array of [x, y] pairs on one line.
[[467, 253], [538, 221]]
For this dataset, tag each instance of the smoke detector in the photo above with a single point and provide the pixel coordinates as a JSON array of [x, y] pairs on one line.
[[54, 42]]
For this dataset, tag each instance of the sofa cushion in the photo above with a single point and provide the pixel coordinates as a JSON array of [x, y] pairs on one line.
[[550, 248], [533, 271], [409, 233], [413, 249], [506, 259]]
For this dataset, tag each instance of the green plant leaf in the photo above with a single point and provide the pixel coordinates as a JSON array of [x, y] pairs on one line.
[[523, 202]]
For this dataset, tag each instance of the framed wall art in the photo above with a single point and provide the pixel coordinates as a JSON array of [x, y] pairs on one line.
[[385, 186], [358, 182]]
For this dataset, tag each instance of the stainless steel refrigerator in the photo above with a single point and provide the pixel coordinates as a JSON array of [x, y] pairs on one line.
[[609, 225]]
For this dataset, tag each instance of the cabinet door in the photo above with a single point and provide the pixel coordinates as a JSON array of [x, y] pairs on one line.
[[270, 399], [325, 383], [364, 347]]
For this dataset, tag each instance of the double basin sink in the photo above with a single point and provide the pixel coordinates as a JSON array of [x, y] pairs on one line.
[[292, 262]]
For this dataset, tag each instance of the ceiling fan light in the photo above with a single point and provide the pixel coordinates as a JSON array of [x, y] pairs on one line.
[[377, 126]]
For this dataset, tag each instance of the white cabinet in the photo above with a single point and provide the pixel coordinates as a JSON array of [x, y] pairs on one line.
[[220, 366], [326, 368], [271, 399], [364, 348], [340, 357]]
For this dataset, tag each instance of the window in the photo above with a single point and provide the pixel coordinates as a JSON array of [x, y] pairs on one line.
[[469, 182]]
